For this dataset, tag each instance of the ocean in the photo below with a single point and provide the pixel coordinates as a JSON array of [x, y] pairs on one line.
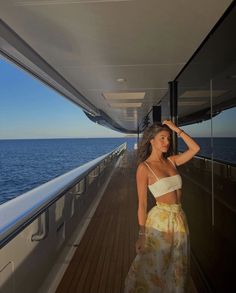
[[27, 163]]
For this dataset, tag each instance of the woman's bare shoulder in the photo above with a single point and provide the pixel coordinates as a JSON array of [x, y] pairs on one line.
[[142, 168], [142, 173]]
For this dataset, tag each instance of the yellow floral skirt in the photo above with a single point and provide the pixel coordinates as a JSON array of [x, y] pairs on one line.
[[164, 264]]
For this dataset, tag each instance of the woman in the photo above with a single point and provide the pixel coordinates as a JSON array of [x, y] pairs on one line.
[[162, 261]]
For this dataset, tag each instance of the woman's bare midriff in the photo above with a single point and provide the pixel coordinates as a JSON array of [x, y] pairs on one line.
[[173, 197]]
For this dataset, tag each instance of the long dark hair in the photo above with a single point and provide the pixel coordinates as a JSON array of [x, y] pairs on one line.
[[145, 147]]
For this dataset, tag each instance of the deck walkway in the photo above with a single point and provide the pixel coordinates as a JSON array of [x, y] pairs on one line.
[[104, 255]]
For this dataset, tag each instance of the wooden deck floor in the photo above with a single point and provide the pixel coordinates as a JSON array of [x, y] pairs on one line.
[[104, 255]]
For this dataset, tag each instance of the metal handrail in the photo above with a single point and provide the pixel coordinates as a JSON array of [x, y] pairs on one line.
[[41, 235], [217, 160], [19, 212], [214, 160]]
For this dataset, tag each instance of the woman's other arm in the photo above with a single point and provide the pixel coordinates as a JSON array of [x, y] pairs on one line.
[[142, 182]]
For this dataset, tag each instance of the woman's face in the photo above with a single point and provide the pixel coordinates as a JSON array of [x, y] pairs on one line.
[[161, 141]]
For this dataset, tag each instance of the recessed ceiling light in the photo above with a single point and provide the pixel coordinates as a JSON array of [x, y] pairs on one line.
[[121, 79], [124, 96], [126, 105]]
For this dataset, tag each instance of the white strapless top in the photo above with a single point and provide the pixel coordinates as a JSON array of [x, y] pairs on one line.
[[166, 184]]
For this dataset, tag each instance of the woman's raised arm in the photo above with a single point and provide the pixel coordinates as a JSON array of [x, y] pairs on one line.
[[193, 147]]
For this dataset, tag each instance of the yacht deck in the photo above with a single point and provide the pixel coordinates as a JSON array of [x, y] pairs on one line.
[[107, 249]]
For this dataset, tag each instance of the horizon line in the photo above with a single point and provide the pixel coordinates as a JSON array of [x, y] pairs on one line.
[[85, 137], [18, 138]]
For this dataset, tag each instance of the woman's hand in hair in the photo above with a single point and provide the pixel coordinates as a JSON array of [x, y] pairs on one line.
[[171, 125]]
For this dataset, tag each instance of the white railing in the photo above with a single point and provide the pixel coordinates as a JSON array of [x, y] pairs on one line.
[[19, 212], [39, 229]]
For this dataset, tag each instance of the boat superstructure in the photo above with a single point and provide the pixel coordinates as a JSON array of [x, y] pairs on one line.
[[125, 63], [112, 58]]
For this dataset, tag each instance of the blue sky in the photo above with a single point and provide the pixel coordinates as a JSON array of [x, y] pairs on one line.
[[29, 109]]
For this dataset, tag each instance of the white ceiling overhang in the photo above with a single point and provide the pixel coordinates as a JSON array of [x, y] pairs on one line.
[[114, 59]]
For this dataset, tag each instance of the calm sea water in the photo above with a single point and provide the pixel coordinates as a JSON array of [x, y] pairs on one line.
[[25, 164]]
